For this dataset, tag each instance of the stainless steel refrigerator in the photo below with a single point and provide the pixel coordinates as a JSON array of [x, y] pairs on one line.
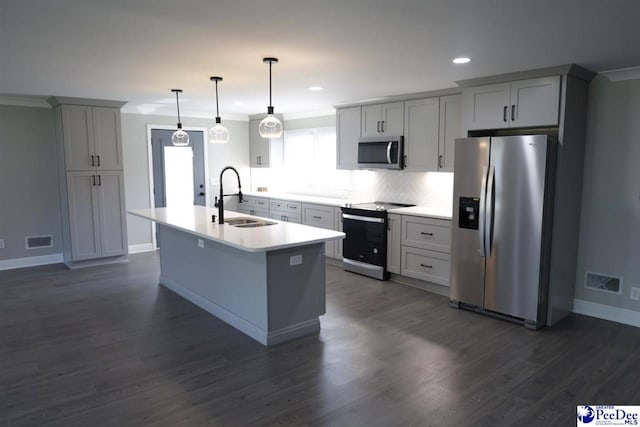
[[502, 224]]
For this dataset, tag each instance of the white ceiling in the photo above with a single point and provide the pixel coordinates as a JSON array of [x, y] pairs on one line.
[[137, 50]]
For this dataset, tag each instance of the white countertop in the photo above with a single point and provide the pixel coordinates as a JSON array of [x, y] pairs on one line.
[[330, 201], [423, 211], [196, 220]]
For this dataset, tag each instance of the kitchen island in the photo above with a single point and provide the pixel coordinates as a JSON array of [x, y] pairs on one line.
[[267, 281]]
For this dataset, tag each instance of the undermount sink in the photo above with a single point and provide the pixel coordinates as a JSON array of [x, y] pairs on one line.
[[247, 222]]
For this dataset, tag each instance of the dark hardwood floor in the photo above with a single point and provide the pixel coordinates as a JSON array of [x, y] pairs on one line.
[[107, 346]]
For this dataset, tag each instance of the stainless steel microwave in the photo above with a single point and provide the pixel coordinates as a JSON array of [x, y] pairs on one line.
[[386, 152]]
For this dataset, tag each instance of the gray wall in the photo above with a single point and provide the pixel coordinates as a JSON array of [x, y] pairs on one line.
[[311, 122], [136, 162], [610, 218], [29, 200]]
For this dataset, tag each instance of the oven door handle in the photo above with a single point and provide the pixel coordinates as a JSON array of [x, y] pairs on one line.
[[363, 218]]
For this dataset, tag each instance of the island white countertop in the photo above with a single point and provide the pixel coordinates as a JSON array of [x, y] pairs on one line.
[[423, 211], [196, 220]]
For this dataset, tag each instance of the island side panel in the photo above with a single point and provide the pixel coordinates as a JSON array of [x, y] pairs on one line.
[[227, 282], [296, 291]]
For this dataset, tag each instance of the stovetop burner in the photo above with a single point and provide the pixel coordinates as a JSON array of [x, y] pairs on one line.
[[377, 206]]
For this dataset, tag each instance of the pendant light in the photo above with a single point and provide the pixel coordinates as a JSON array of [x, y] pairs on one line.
[[270, 126], [218, 133], [179, 138]]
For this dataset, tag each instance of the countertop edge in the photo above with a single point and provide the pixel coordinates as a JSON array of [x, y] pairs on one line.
[[339, 235]]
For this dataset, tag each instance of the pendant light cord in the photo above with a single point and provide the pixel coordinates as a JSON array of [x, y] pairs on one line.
[[217, 108], [178, 105], [270, 102]]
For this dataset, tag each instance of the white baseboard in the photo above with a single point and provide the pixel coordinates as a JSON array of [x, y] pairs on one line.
[[607, 312], [32, 261], [144, 247]]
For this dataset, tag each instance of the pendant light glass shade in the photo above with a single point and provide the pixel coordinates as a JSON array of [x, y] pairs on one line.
[[218, 134], [270, 126], [179, 138]]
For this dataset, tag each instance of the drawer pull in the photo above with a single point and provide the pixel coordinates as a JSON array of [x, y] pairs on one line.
[[426, 266], [424, 233], [292, 207], [317, 217]]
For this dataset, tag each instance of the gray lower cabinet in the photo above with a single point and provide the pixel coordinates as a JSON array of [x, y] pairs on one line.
[[425, 249], [320, 216], [89, 148], [96, 206], [394, 243]]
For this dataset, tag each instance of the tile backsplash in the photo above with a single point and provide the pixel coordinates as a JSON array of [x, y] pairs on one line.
[[430, 189]]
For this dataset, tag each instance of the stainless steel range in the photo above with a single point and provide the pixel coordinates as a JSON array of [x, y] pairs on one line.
[[365, 244]]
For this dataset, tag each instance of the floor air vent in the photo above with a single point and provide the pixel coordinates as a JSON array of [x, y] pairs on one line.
[[38, 242]]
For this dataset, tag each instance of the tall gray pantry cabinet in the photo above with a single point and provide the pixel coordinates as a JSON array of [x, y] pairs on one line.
[[91, 178]]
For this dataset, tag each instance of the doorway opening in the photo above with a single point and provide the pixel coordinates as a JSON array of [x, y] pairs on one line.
[[178, 175]]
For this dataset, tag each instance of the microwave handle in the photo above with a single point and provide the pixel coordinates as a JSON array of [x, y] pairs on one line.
[[389, 151]]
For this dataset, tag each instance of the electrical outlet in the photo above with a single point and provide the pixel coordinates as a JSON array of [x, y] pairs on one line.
[[1, 243], [200, 243], [635, 294], [295, 260]]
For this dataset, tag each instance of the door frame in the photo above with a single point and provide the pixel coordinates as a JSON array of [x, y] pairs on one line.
[[207, 184]]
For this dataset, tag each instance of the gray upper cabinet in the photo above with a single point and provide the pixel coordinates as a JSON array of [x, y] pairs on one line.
[[450, 129], [107, 138], [431, 126], [347, 135], [382, 119], [535, 102], [523, 103], [92, 137], [421, 122], [264, 152]]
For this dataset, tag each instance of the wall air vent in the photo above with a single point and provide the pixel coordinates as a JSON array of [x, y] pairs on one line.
[[603, 282], [38, 242]]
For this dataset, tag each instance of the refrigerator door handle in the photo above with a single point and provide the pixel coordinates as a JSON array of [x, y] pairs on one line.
[[489, 213], [481, 214]]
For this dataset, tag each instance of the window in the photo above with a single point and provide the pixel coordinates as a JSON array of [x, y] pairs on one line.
[[311, 151]]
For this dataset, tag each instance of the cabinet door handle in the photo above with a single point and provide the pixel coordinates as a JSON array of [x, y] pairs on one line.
[[99, 180], [513, 113], [98, 158], [382, 126], [93, 161], [424, 233], [426, 266], [440, 161], [378, 126], [504, 114], [93, 178]]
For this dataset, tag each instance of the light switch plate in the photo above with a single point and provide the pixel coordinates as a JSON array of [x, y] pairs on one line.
[[635, 294], [200, 243], [1, 243], [295, 260]]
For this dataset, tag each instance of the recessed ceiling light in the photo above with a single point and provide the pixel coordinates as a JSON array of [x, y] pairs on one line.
[[238, 103], [461, 60], [315, 88]]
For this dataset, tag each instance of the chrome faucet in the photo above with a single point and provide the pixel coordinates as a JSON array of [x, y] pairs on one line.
[[220, 202]]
